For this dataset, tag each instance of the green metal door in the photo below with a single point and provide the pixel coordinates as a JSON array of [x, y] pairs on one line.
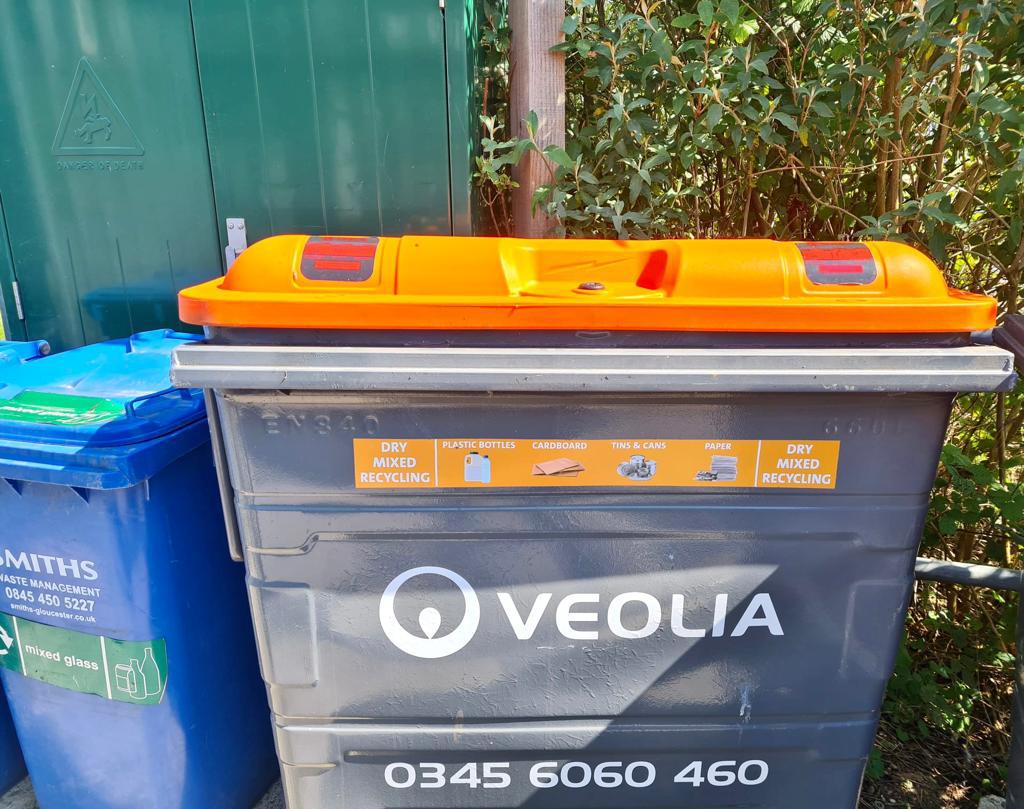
[[104, 172], [332, 115], [12, 327]]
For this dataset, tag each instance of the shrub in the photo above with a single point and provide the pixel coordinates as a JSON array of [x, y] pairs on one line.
[[825, 119]]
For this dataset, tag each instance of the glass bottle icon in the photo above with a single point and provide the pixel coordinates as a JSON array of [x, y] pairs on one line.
[[149, 674]]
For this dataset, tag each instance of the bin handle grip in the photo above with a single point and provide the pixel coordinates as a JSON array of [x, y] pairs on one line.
[[130, 405], [227, 493], [1010, 336]]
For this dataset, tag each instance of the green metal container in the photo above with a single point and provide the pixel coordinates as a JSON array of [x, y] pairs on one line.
[[130, 133]]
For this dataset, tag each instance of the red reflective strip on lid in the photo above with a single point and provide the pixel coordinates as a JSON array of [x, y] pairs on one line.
[[835, 254], [347, 266], [336, 249]]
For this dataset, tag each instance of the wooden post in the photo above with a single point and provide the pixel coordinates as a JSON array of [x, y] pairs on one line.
[[537, 85]]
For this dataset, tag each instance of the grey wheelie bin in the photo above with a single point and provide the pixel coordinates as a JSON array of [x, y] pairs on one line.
[[579, 524]]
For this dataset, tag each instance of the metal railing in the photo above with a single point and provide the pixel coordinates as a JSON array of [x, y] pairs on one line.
[[994, 578]]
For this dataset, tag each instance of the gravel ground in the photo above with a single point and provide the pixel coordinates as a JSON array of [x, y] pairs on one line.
[[274, 799], [22, 797]]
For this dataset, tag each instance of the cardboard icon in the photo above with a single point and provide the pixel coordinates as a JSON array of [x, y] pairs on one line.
[[559, 467]]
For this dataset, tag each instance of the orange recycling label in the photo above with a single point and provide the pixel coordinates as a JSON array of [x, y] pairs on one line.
[[460, 463]]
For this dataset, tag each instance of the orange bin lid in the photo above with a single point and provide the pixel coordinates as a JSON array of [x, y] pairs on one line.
[[450, 282]]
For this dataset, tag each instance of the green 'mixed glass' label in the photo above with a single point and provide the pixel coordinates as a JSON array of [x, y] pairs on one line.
[[126, 671]]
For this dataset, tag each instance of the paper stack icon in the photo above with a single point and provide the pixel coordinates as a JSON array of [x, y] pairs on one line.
[[558, 468], [723, 467]]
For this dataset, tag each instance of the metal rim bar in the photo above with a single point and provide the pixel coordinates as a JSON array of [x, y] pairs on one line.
[[788, 370]]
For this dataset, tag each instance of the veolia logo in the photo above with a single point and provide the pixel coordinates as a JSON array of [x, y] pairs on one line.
[[578, 616], [430, 646]]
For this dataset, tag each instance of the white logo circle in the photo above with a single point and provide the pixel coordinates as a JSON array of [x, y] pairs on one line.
[[430, 618]]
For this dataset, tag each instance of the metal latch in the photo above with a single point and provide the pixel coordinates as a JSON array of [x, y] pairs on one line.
[[17, 300], [236, 240]]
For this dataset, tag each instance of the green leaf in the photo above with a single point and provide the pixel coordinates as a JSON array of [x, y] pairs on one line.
[[684, 21], [937, 243], [531, 124], [870, 71], [559, 156], [786, 120], [731, 10], [743, 30], [569, 25], [636, 185], [758, 63], [823, 109], [948, 524], [942, 216], [979, 50], [657, 159], [713, 116], [997, 105], [847, 93], [706, 12], [662, 46]]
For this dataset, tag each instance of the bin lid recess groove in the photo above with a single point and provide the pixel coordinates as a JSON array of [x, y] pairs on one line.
[[100, 416], [450, 282]]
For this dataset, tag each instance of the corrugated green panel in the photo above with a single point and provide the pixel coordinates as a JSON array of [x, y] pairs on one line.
[[326, 115], [103, 165], [462, 37]]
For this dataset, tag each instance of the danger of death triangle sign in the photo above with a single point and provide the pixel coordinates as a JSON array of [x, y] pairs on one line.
[[92, 123]]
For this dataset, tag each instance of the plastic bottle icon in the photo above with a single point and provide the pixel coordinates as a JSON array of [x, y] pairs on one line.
[[478, 468]]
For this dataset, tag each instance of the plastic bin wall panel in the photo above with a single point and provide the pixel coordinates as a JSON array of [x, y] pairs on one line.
[[659, 625], [12, 763], [803, 766]]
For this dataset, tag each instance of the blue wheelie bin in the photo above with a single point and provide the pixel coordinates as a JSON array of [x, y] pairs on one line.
[[125, 643], [12, 764]]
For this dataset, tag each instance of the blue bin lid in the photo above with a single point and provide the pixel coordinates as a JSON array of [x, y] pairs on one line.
[[13, 351], [100, 416]]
